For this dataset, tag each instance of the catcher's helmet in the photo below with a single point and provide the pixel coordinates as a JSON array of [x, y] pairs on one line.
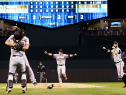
[[18, 35]]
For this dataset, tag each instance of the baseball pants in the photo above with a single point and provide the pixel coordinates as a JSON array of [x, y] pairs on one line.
[[14, 62], [29, 69], [119, 67], [61, 71]]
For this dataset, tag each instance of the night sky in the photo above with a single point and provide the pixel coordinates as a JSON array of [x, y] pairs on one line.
[[117, 8]]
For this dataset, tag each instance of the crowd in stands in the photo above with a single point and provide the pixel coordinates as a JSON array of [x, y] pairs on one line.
[[8, 31], [99, 32]]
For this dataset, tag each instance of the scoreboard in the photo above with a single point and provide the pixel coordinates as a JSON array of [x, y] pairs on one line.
[[53, 13]]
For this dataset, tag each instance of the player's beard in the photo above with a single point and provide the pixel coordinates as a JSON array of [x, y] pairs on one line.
[[116, 46]]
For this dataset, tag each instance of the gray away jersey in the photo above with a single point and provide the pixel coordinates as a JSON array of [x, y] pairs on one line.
[[117, 56], [24, 41], [61, 59]]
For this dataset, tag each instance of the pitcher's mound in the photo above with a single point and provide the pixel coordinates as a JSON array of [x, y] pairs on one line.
[[60, 85]]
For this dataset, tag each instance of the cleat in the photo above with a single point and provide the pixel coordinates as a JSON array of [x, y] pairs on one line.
[[124, 86], [8, 90], [35, 83], [24, 90]]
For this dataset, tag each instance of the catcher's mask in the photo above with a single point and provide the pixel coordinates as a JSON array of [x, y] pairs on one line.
[[18, 35]]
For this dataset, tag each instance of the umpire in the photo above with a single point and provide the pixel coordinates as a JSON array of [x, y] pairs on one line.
[[41, 70]]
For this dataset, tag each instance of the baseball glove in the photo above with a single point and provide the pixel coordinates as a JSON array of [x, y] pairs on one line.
[[18, 46], [51, 86]]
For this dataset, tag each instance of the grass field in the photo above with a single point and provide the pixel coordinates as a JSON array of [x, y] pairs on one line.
[[110, 88]]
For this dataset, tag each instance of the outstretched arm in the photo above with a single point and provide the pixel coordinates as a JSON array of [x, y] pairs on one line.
[[72, 55], [118, 51], [49, 54], [108, 50]]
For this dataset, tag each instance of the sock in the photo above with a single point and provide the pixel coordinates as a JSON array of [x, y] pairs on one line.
[[10, 83], [23, 83], [60, 80], [124, 79]]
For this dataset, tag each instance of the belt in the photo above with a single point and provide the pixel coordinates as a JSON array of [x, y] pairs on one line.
[[118, 62], [61, 65], [17, 56]]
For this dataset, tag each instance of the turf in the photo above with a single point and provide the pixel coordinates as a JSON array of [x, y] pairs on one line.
[[111, 88]]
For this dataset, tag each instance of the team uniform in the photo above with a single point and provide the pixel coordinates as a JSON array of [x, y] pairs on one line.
[[28, 67], [42, 70], [17, 60], [118, 62], [61, 68]]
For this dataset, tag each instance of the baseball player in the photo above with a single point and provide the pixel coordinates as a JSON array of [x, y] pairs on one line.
[[42, 72], [28, 67], [18, 43], [61, 60], [116, 52]]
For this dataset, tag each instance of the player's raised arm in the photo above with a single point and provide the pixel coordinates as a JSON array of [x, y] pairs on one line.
[[72, 55], [50, 54], [108, 50]]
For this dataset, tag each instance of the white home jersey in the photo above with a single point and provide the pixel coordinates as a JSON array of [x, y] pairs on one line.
[[24, 41], [61, 59], [117, 56]]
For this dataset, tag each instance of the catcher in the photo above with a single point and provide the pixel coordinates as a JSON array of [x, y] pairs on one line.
[[18, 43], [28, 67], [116, 52]]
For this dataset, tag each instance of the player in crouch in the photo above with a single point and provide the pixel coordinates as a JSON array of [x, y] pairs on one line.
[[61, 60], [116, 52]]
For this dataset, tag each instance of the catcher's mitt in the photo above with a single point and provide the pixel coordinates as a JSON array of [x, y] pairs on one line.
[[51, 86], [18, 46]]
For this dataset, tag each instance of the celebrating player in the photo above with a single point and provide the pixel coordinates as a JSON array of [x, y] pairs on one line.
[[28, 67], [116, 51], [29, 70], [61, 60], [18, 43]]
